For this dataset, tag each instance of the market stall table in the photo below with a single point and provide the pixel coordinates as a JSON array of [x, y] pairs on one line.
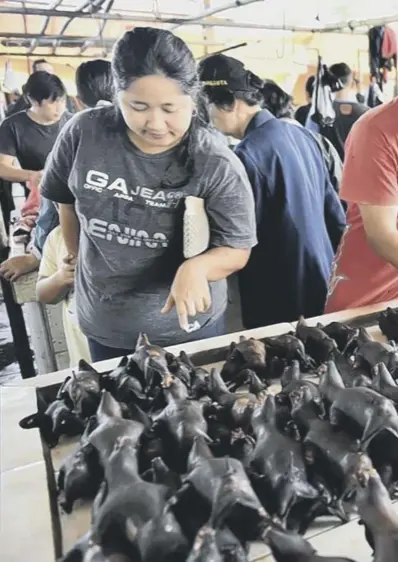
[[28, 494]]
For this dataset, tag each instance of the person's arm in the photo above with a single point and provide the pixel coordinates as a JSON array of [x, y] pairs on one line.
[[219, 263], [11, 173], [54, 282], [52, 290], [13, 268], [380, 223], [55, 182], [230, 210], [190, 292], [70, 227]]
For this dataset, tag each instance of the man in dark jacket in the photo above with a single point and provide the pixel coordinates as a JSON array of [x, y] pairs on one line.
[[300, 219]]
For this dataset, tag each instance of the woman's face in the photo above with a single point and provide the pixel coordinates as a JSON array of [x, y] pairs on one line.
[[156, 111]]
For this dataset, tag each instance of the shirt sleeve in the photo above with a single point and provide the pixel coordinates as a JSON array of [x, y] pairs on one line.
[[370, 167], [8, 143], [54, 184], [230, 204], [48, 263]]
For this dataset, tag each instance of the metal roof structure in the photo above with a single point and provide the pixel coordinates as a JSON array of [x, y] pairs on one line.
[[54, 27]]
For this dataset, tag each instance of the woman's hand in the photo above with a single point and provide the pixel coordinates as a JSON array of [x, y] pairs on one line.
[[190, 292]]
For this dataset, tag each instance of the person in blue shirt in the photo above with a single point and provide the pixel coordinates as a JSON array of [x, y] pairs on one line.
[[300, 219]]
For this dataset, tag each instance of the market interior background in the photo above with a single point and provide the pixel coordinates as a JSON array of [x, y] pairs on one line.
[[276, 39]]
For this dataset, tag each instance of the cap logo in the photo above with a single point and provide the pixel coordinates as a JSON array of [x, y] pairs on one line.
[[216, 83]]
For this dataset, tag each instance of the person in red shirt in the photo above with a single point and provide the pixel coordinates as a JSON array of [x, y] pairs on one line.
[[366, 263]]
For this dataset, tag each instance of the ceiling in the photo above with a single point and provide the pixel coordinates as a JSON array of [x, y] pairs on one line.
[[87, 28]]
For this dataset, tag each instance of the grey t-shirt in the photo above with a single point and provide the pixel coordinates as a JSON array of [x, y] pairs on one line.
[[130, 206], [29, 141]]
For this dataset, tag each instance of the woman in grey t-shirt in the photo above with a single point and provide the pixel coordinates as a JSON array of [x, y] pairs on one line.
[[120, 175]]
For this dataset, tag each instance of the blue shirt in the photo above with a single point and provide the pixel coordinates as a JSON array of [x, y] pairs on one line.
[[299, 223]]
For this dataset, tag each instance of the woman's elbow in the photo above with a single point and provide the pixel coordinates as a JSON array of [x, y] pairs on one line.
[[242, 257]]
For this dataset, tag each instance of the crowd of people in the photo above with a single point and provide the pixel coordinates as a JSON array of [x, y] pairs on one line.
[[106, 189]]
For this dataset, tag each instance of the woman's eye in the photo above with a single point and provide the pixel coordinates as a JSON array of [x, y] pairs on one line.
[[169, 109], [138, 107]]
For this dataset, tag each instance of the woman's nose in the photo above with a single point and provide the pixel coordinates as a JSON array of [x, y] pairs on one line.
[[156, 119]]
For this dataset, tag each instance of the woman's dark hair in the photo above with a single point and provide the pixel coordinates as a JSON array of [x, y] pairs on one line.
[[276, 100], [42, 85], [147, 51], [94, 82]]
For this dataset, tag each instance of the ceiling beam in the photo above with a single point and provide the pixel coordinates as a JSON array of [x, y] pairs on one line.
[[212, 11], [136, 17]]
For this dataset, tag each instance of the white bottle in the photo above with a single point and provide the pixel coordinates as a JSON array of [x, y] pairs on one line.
[[196, 227]]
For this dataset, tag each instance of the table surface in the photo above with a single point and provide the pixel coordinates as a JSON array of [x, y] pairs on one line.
[[24, 498]]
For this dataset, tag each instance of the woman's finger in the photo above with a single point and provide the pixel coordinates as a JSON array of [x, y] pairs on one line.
[[182, 315], [168, 307], [200, 305], [207, 301], [190, 306]]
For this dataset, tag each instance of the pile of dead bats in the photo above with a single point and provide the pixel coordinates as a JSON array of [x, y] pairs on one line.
[[183, 464]]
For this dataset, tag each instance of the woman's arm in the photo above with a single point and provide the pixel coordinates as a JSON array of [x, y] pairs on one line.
[[230, 210], [190, 292], [219, 263], [70, 228]]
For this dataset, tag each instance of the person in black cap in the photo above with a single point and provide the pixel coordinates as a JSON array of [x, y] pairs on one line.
[[300, 219]]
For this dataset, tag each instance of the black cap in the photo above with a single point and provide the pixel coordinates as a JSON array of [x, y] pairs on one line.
[[225, 72]]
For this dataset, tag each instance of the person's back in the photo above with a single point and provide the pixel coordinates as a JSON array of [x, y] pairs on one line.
[[300, 221], [303, 111], [346, 107], [347, 113]]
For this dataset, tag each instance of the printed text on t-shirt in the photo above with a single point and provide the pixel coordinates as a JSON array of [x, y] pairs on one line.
[[98, 181], [125, 235]]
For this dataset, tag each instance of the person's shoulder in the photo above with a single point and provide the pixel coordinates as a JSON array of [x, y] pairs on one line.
[[92, 121], [20, 117], [53, 241], [379, 121], [211, 146]]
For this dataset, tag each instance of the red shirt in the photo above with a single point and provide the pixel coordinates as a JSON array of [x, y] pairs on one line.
[[370, 176]]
